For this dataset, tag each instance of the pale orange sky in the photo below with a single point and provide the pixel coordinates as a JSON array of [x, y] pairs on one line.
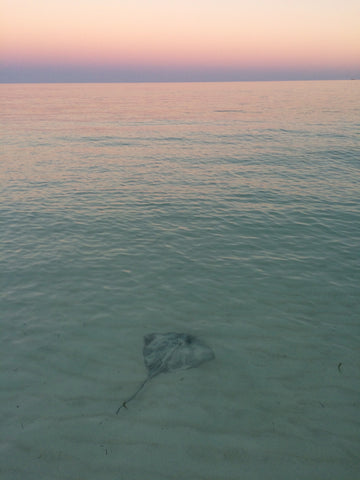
[[182, 35]]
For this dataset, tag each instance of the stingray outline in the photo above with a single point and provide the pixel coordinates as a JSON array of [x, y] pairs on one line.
[[167, 352]]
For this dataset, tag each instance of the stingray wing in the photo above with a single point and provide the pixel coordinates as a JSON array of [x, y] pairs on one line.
[[158, 348]]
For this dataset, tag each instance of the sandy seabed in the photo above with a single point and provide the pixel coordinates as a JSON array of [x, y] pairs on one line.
[[249, 414]]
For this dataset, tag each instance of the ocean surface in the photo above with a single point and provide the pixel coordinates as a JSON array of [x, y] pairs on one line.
[[229, 211]]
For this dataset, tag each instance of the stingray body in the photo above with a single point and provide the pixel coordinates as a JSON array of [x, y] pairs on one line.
[[167, 352]]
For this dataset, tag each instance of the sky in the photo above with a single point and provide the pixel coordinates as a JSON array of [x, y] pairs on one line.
[[178, 40]]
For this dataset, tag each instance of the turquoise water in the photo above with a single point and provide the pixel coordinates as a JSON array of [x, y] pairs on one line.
[[227, 210]]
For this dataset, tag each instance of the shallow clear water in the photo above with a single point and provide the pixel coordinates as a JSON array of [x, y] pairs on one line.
[[230, 211]]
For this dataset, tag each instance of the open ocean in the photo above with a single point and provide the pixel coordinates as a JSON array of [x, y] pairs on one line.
[[230, 211]]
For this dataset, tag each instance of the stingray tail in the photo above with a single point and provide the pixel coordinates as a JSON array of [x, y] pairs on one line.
[[124, 404]]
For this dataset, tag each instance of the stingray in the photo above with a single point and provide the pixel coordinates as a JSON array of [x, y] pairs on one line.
[[168, 352]]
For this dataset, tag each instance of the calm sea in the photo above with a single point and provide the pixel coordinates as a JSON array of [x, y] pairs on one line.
[[230, 211]]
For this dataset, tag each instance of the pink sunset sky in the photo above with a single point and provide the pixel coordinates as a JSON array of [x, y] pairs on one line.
[[150, 40]]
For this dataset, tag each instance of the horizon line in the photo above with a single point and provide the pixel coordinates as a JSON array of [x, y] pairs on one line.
[[74, 82]]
